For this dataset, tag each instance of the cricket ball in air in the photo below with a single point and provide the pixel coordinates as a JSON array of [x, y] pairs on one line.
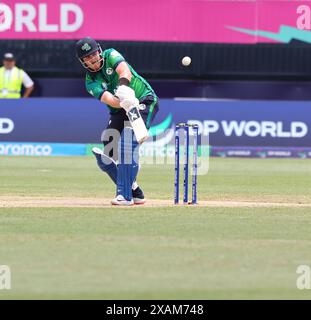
[[186, 61]]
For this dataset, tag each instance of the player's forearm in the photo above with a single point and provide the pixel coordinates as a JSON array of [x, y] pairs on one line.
[[110, 99], [127, 74], [124, 71]]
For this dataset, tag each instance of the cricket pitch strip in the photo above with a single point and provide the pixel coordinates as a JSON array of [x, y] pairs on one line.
[[75, 202]]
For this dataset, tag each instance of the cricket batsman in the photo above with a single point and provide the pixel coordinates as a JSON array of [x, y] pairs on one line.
[[132, 104]]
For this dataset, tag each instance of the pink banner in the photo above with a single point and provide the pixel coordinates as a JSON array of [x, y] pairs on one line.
[[214, 21]]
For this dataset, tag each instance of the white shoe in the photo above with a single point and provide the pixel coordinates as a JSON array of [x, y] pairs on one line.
[[121, 201]]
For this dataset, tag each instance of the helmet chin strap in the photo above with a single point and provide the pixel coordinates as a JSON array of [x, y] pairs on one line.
[[101, 60]]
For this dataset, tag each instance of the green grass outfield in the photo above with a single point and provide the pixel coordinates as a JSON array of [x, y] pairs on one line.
[[163, 252]]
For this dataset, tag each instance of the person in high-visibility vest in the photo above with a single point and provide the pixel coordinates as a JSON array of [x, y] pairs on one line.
[[12, 78]]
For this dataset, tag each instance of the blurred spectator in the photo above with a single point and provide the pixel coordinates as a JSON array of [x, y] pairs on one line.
[[12, 78]]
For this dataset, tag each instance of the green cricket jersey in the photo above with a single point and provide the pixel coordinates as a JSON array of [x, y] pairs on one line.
[[108, 79]]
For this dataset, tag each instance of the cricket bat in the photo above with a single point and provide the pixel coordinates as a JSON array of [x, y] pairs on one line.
[[138, 124]]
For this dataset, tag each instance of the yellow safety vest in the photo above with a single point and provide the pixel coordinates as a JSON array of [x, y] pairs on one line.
[[11, 88]]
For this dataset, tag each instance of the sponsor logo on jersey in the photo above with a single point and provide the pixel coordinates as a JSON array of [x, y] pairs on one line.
[[109, 71]]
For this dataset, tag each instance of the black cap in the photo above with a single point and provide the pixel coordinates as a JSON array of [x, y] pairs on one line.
[[86, 46], [8, 56]]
